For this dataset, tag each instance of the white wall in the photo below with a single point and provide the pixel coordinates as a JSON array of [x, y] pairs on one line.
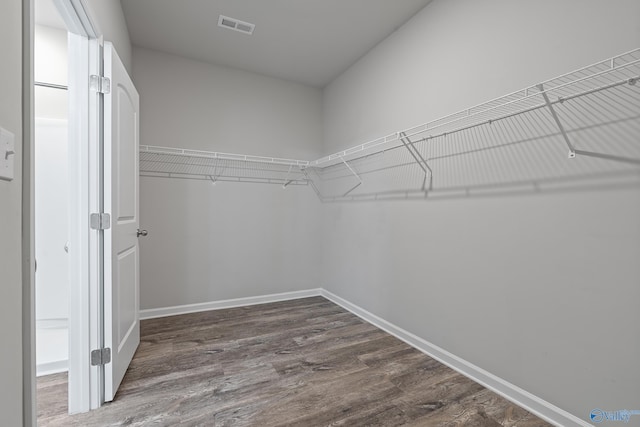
[[52, 218], [51, 181], [10, 218], [539, 290], [209, 243], [50, 54], [108, 17], [50, 66], [470, 52]]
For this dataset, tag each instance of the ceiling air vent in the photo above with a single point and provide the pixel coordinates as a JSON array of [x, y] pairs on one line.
[[235, 24]]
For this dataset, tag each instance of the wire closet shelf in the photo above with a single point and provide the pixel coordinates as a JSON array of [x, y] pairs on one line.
[[168, 162], [582, 124]]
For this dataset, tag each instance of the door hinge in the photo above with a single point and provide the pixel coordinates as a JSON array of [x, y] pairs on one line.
[[100, 221], [100, 84], [100, 357]]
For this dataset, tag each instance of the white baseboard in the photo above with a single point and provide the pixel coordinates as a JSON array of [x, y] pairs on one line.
[[49, 368], [229, 303], [515, 394]]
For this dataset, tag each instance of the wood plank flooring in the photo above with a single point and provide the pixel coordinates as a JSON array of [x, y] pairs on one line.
[[305, 362]]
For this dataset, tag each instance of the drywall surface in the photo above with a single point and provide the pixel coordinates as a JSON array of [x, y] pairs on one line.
[[50, 55], [540, 290], [108, 16], [51, 181], [52, 218], [231, 240], [50, 66], [11, 218]]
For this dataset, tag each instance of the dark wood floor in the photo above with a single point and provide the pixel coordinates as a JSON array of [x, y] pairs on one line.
[[305, 363]]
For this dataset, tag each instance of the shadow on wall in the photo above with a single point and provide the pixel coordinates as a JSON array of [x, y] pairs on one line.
[[578, 132]]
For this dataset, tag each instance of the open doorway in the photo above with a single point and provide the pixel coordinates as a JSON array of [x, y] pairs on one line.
[[51, 200], [52, 207], [94, 172], [61, 173], [52, 185]]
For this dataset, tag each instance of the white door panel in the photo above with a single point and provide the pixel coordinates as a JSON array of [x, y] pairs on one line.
[[122, 272]]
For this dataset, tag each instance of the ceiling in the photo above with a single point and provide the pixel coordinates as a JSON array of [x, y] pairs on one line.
[[305, 41]]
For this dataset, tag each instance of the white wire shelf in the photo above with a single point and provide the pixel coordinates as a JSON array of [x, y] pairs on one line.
[[577, 126], [166, 162], [613, 71]]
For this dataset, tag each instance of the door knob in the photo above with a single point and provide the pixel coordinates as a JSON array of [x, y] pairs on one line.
[[142, 233]]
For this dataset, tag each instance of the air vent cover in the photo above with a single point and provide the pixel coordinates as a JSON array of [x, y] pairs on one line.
[[236, 25]]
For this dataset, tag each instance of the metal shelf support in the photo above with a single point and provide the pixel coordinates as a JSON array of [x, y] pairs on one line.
[[288, 181], [410, 146], [354, 174], [572, 150]]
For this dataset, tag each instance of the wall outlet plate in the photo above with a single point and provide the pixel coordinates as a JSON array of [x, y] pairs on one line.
[[7, 154]]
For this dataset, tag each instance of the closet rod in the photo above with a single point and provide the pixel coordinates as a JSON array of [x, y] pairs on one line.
[[51, 85]]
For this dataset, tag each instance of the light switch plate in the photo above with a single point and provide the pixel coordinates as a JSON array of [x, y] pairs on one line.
[[7, 154]]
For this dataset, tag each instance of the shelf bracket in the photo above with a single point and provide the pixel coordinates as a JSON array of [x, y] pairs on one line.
[[410, 146], [312, 183], [287, 181], [572, 151], [214, 178], [354, 174]]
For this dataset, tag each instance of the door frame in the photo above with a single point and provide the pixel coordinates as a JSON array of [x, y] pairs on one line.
[[84, 262], [85, 147], [86, 387], [29, 414]]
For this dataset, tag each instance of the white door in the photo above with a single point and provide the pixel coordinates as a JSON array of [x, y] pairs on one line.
[[122, 254]]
